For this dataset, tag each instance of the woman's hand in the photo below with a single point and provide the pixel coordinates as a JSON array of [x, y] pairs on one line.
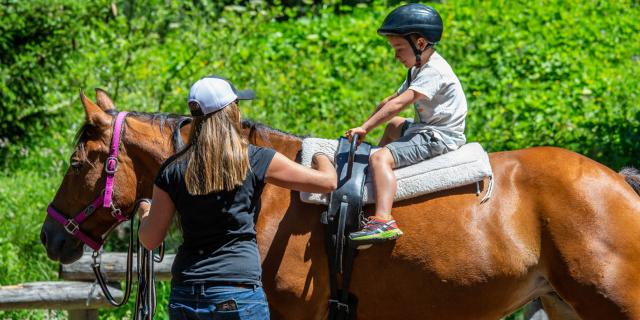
[[361, 132], [143, 208], [155, 220]]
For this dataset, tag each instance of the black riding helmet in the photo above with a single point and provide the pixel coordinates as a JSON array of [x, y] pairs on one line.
[[413, 18]]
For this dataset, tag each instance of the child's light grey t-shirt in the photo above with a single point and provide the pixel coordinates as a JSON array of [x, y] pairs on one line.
[[445, 107]]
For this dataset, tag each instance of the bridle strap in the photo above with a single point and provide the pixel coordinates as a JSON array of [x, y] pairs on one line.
[[104, 200], [111, 165], [146, 307], [73, 227]]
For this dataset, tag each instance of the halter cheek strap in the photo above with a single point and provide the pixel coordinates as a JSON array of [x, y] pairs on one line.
[[111, 165], [72, 225]]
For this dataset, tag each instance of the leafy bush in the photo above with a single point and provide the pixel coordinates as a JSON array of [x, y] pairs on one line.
[[37, 45], [560, 73]]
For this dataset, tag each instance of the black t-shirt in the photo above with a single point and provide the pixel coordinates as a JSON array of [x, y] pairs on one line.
[[218, 228]]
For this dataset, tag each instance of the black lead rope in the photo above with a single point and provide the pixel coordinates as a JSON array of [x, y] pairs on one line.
[[128, 277], [145, 307], [146, 296]]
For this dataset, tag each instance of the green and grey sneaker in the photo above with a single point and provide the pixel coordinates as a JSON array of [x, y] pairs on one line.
[[376, 230]]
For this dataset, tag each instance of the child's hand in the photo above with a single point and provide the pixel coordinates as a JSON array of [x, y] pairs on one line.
[[357, 130]]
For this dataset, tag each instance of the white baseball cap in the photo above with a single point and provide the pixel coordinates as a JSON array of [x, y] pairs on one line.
[[213, 93]]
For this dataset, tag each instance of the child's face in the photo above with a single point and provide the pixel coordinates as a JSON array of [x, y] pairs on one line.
[[403, 50]]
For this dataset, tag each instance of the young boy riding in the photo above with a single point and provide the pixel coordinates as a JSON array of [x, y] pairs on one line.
[[440, 110]]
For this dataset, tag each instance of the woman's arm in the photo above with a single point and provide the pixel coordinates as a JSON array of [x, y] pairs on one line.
[[286, 173], [155, 222]]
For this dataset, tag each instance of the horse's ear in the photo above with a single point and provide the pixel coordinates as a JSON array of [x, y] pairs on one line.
[[95, 115], [103, 100]]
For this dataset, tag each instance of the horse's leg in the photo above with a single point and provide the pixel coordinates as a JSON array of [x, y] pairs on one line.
[[557, 309], [591, 221]]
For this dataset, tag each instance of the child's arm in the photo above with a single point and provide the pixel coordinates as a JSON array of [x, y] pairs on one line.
[[384, 113], [381, 104]]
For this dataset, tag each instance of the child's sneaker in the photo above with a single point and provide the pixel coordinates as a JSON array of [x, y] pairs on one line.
[[376, 230]]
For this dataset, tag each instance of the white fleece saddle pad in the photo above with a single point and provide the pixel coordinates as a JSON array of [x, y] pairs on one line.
[[464, 166]]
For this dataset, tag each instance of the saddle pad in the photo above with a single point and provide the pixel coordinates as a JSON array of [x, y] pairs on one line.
[[464, 166]]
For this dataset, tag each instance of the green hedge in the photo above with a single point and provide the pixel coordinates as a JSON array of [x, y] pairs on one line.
[[560, 73], [37, 46]]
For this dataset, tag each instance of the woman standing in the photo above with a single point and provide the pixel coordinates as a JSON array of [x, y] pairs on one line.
[[215, 186]]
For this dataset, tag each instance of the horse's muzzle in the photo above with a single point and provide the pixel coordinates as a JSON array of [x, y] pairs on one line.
[[60, 245]]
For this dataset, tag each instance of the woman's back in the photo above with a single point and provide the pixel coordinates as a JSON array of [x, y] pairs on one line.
[[218, 228]]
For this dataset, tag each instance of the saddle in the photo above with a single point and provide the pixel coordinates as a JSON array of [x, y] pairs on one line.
[[467, 165], [342, 217]]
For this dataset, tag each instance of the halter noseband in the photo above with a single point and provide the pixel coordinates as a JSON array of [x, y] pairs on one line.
[[104, 200]]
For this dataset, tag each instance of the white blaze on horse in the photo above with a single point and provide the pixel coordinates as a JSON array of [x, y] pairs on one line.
[[559, 226]]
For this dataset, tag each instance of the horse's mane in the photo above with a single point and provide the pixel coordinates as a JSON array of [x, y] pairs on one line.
[[162, 119], [172, 120], [262, 129]]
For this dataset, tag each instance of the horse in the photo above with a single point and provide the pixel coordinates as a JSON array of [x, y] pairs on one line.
[[559, 226]]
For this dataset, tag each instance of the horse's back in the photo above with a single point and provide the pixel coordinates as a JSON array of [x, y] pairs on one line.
[[555, 217]]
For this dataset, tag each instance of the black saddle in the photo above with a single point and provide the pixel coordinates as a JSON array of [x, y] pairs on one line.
[[343, 217]]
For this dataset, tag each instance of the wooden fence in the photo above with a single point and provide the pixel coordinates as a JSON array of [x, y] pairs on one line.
[[81, 296], [77, 292]]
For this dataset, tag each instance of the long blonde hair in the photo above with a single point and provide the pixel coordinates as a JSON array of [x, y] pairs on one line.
[[218, 157]]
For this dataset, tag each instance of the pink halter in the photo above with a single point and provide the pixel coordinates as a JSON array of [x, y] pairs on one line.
[[72, 225]]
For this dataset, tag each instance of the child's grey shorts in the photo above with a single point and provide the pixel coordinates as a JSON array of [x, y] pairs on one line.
[[415, 147]]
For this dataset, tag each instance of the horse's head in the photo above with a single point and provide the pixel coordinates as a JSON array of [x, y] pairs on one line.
[[82, 210], [79, 213]]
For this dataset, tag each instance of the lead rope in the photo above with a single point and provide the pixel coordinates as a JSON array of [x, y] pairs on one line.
[[145, 308], [128, 277]]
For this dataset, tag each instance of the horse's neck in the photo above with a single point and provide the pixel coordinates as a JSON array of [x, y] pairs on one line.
[[149, 146], [286, 144]]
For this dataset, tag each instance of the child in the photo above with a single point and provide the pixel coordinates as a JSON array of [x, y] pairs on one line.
[[440, 110]]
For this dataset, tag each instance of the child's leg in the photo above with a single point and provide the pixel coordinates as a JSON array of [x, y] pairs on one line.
[[393, 130], [407, 150], [381, 165], [380, 227]]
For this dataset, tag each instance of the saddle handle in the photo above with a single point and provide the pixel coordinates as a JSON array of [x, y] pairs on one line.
[[352, 154]]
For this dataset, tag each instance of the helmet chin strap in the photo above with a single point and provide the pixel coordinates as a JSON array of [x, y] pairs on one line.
[[418, 54]]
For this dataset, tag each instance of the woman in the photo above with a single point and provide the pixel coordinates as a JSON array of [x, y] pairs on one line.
[[215, 186]]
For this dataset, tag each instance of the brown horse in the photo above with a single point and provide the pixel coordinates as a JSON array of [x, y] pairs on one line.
[[559, 226]]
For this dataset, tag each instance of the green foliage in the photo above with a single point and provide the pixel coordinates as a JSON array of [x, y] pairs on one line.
[[560, 73], [37, 45]]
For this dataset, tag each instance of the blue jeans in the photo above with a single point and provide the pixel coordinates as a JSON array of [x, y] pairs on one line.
[[217, 302]]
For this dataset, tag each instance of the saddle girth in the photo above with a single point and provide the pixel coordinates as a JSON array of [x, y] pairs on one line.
[[342, 217]]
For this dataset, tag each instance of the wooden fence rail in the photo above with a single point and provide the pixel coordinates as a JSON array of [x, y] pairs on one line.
[[81, 296], [77, 292]]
